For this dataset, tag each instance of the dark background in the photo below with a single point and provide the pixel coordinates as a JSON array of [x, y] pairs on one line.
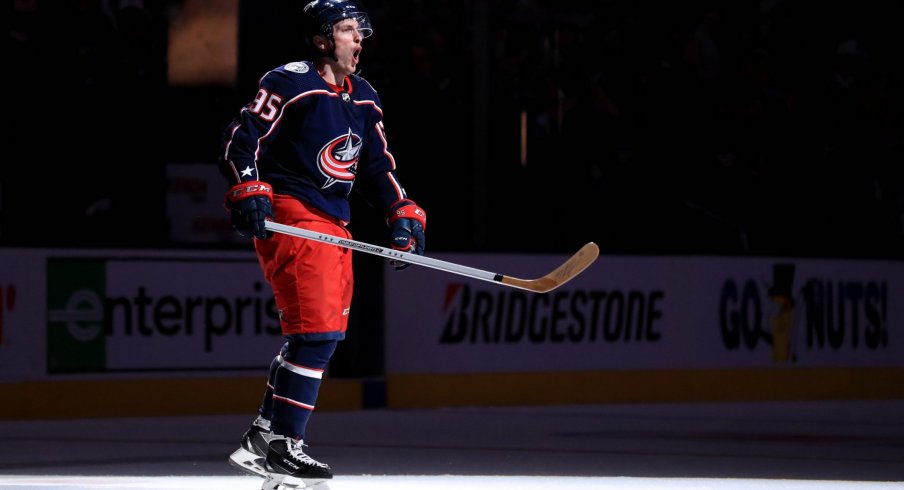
[[754, 128], [655, 127]]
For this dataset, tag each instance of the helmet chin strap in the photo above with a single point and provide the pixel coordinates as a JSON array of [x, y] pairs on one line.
[[333, 52]]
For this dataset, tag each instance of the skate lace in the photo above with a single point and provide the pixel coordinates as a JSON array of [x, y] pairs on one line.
[[296, 449]]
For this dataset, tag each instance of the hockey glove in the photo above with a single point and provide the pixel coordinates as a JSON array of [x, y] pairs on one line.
[[250, 204], [408, 222]]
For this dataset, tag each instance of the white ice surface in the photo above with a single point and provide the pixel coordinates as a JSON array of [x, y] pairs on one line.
[[437, 482], [831, 445]]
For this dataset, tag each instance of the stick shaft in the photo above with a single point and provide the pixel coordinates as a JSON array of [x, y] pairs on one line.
[[562, 274], [386, 252]]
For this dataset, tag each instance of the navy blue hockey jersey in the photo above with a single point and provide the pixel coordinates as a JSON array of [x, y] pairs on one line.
[[311, 141]]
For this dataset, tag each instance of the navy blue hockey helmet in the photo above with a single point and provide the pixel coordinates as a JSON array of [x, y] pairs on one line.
[[322, 14]]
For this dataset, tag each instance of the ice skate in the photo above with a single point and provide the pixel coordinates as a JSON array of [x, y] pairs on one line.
[[288, 467], [252, 453], [273, 484]]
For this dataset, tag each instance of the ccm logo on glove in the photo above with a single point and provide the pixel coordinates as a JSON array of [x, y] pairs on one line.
[[250, 205], [248, 189]]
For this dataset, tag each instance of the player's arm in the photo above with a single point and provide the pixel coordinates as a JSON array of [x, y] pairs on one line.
[[249, 198], [257, 123], [407, 220]]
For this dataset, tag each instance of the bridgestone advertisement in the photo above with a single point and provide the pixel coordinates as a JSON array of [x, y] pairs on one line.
[[628, 313]]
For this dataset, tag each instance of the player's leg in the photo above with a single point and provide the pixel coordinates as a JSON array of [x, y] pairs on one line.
[[253, 447], [295, 392], [312, 284]]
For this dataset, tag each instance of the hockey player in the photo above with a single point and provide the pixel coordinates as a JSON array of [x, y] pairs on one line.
[[313, 130]]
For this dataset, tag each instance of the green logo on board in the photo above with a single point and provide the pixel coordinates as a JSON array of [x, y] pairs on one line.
[[76, 340]]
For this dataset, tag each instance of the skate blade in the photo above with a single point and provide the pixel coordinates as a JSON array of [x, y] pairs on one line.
[[248, 462], [284, 482]]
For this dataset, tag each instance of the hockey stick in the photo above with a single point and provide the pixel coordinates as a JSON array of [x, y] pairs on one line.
[[562, 274]]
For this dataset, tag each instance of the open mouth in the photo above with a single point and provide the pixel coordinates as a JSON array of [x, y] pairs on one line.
[[355, 55]]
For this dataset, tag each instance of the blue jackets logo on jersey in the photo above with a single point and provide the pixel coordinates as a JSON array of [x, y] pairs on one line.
[[338, 159]]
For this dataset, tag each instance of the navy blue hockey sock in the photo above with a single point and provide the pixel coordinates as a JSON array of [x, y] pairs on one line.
[[296, 383]]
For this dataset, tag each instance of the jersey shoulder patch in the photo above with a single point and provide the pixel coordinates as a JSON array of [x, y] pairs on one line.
[[296, 77], [297, 67]]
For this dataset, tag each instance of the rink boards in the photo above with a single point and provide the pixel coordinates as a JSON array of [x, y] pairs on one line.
[[176, 332]]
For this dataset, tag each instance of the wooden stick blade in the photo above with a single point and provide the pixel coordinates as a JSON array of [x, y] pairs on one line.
[[576, 264]]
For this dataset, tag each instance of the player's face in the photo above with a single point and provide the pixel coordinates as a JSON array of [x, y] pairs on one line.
[[348, 44]]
